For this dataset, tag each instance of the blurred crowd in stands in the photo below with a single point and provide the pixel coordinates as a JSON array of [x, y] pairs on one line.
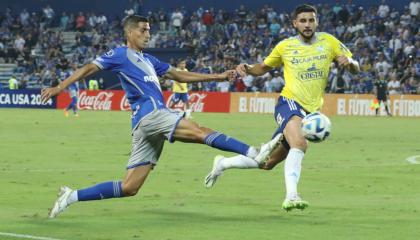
[[384, 40]]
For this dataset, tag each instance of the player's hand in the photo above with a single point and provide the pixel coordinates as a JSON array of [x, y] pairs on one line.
[[229, 75], [47, 93], [343, 61], [241, 69]]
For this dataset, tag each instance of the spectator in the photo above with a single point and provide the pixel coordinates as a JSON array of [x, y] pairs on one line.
[[395, 44], [277, 82], [382, 67], [394, 86], [13, 83], [19, 43], [162, 20], [64, 21], [383, 10], [81, 22], [176, 20], [93, 84], [207, 18], [414, 8]]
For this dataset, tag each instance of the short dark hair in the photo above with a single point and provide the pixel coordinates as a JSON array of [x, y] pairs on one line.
[[304, 8], [132, 21]]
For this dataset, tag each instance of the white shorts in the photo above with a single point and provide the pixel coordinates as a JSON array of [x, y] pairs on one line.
[[149, 136]]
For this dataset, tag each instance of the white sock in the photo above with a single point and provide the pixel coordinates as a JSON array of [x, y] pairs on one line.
[[252, 152], [72, 197], [238, 161], [292, 168]]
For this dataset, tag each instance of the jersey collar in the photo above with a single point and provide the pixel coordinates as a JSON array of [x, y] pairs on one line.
[[313, 40]]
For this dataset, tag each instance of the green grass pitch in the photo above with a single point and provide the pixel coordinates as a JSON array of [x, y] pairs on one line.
[[358, 182]]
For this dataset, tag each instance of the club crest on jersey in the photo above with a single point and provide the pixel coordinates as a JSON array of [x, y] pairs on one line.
[[110, 53]]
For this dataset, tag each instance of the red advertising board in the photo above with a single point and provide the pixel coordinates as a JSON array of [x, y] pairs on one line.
[[204, 101], [116, 100], [96, 100]]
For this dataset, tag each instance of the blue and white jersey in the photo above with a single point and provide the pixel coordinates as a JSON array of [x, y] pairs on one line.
[[138, 73], [72, 88]]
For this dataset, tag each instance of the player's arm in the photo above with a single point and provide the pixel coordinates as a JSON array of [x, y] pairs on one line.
[[189, 77], [348, 63], [80, 73], [255, 69]]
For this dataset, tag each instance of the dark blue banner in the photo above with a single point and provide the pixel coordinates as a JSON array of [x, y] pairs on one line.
[[24, 99]]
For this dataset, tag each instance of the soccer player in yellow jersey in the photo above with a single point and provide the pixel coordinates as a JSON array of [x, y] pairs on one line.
[[180, 91], [306, 59]]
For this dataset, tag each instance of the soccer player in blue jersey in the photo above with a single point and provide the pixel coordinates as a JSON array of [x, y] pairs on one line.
[[152, 122], [73, 90], [306, 58]]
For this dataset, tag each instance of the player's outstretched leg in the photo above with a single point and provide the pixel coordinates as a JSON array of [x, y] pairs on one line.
[[67, 196]]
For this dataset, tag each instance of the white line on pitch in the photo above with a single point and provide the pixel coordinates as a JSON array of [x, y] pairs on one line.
[[413, 160], [26, 236]]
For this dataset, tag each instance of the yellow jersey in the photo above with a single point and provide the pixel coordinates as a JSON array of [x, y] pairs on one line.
[[306, 67], [178, 87]]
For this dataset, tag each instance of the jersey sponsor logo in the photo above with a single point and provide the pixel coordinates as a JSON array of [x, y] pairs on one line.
[[298, 60], [151, 79], [311, 73]]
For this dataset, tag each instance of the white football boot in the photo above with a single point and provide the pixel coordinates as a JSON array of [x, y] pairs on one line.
[[215, 172], [61, 203], [267, 148]]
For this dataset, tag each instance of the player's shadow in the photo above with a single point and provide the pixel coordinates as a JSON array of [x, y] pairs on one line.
[[186, 216]]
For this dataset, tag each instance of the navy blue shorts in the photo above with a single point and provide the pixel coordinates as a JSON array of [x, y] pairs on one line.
[[180, 96], [286, 109]]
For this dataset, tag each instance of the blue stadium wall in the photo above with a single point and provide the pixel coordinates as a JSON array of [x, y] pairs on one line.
[[117, 7]]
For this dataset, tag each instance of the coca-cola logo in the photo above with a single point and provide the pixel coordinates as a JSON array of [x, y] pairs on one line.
[[100, 101], [196, 101], [124, 105]]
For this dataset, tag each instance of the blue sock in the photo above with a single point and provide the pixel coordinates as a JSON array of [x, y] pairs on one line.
[[226, 143], [101, 191]]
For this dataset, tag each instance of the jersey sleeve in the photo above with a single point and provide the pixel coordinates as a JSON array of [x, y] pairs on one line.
[[338, 47], [110, 60], [274, 59], [161, 68]]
